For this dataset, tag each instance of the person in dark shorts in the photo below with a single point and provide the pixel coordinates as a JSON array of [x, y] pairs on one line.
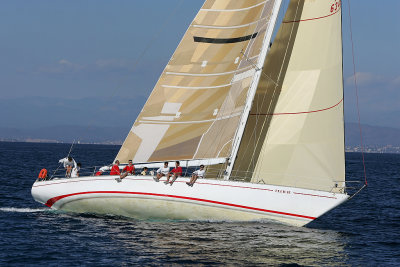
[[196, 174], [162, 171], [129, 169], [176, 172]]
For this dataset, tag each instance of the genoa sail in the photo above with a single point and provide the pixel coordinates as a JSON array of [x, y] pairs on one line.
[[294, 134], [194, 109]]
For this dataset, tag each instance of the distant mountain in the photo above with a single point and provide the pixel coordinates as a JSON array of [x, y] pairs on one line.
[[84, 134], [37, 112], [372, 135]]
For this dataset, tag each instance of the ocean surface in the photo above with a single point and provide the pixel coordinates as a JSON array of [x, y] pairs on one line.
[[364, 231]]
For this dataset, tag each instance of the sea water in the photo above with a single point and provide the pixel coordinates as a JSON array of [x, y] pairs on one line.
[[362, 232]]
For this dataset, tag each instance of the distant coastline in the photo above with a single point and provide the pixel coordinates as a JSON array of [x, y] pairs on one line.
[[376, 139], [357, 149], [46, 141], [374, 149]]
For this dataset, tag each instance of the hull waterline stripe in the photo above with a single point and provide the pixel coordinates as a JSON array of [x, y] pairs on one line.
[[53, 200], [198, 39]]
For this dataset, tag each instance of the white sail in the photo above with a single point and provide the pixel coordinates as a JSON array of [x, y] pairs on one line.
[[294, 135], [196, 105]]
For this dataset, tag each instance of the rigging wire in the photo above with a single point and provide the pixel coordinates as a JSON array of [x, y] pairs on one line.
[[59, 165], [256, 106], [264, 120], [70, 149], [245, 47], [257, 68], [356, 90], [270, 106], [147, 46]]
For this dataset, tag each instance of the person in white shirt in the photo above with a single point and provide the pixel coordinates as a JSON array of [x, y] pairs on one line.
[[196, 174], [162, 171], [68, 163], [75, 171]]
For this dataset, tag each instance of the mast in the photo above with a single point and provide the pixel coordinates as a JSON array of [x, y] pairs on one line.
[[250, 96]]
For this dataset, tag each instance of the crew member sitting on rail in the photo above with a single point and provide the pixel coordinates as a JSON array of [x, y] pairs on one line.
[[129, 169], [196, 174], [115, 169], [175, 172], [162, 171], [144, 172]]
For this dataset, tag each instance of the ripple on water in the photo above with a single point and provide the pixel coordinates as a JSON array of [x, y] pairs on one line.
[[361, 232]]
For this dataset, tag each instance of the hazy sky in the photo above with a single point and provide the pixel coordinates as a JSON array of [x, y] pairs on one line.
[[98, 48]]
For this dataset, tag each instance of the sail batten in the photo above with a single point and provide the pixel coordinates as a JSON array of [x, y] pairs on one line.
[[234, 10]]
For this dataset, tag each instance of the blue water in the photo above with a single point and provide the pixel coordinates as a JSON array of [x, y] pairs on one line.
[[363, 232]]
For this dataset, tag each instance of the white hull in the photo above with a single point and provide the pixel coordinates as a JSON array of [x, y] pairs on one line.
[[140, 197]]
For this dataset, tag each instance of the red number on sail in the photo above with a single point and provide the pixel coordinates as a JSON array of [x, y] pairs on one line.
[[335, 6]]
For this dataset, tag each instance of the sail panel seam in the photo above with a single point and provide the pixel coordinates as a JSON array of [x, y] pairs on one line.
[[312, 18], [227, 27], [196, 87], [207, 74], [295, 113], [181, 122]]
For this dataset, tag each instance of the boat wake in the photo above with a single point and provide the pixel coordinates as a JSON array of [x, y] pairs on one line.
[[22, 210]]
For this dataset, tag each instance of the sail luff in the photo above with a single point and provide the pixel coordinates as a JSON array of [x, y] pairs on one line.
[[118, 156], [298, 136], [253, 88]]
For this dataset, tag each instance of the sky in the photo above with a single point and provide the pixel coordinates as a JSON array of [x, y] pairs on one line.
[[68, 51]]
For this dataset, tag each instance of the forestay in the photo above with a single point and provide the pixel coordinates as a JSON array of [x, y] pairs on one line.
[[294, 135], [195, 107]]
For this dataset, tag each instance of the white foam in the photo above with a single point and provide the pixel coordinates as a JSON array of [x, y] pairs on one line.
[[26, 210]]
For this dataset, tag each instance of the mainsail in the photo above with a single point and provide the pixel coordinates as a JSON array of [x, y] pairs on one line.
[[294, 135], [194, 109]]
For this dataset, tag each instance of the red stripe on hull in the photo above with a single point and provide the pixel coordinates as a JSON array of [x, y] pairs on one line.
[[204, 183], [53, 200]]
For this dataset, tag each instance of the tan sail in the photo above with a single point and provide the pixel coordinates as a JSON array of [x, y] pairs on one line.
[[294, 135], [195, 107]]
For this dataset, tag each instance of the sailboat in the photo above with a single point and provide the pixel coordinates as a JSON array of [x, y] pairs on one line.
[[261, 108]]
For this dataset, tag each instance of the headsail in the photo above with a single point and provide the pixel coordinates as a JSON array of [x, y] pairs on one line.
[[196, 105], [294, 135]]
